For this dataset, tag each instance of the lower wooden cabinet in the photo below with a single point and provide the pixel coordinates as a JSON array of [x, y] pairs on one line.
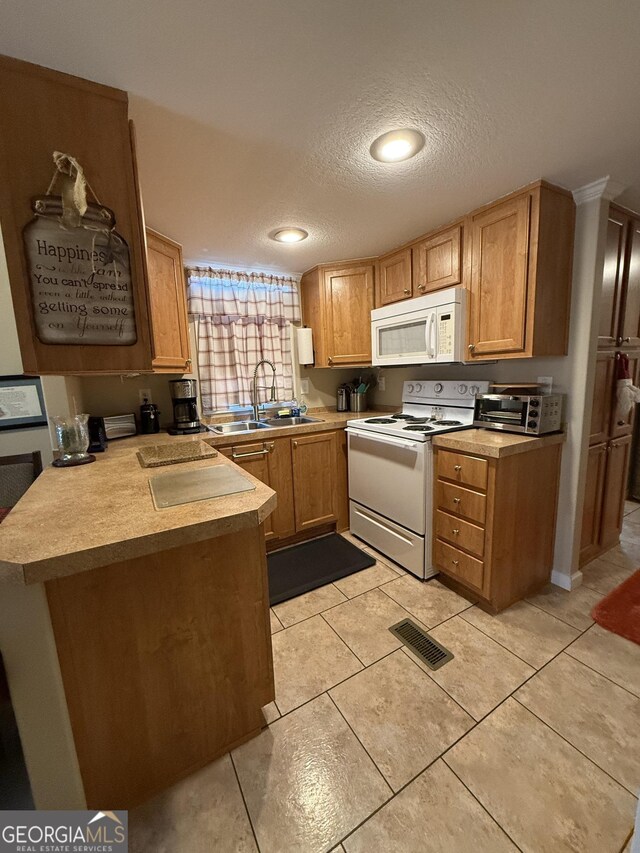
[[592, 507], [308, 473], [314, 479], [494, 522], [270, 462], [615, 490]]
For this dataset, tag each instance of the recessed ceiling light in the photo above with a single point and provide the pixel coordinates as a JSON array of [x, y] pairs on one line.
[[290, 235], [397, 145]]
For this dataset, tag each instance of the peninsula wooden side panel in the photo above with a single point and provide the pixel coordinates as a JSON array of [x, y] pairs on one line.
[[166, 662]]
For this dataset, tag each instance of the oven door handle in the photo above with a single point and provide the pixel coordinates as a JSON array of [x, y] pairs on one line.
[[383, 440]]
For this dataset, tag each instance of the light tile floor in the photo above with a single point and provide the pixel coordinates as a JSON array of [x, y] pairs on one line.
[[529, 739]]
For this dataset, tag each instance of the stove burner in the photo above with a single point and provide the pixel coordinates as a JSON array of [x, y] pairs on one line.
[[418, 428], [402, 417], [379, 421], [449, 423]]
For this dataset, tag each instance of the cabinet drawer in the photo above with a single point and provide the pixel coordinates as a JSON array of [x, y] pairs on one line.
[[470, 470], [459, 565], [460, 533], [460, 501]]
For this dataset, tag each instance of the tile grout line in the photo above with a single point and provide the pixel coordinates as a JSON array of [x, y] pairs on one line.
[[597, 672], [482, 806], [356, 656], [367, 753], [559, 618], [577, 749], [246, 808], [580, 633]]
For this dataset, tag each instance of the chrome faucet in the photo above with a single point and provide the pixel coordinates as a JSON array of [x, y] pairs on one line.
[[256, 387]]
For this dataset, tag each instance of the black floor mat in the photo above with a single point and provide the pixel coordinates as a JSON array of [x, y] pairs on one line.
[[304, 567]]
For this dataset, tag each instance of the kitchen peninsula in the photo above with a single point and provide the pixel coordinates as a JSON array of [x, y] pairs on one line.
[[136, 641]]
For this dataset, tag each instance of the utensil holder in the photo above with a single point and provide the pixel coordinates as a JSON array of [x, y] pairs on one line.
[[358, 402]]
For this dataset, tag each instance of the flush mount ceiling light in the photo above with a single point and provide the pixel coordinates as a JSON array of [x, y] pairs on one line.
[[289, 235], [397, 145]]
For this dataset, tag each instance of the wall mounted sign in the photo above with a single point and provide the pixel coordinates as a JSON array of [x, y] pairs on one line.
[[21, 402], [79, 267]]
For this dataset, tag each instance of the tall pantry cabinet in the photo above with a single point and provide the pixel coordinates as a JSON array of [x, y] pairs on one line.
[[610, 439]]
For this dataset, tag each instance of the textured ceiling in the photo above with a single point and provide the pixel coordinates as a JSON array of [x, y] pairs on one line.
[[254, 114]]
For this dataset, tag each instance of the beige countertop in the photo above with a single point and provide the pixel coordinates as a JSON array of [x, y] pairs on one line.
[[75, 519], [494, 443]]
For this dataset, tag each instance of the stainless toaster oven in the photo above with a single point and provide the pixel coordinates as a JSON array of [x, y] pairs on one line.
[[529, 414]]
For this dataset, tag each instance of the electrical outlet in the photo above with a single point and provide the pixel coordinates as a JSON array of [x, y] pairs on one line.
[[382, 383], [142, 393], [546, 382], [304, 386]]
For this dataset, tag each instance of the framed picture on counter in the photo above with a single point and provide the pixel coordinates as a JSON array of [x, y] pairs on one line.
[[21, 402]]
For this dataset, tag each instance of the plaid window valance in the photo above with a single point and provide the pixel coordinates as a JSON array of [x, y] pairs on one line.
[[240, 319]]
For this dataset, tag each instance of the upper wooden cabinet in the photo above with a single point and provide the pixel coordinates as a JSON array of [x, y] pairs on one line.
[[393, 278], [168, 305], [521, 254], [336, 304], [619, 315], [437, 261], [45, 111], [429, 264]]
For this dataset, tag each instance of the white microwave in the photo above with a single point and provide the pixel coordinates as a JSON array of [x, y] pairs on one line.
[[425, 330]]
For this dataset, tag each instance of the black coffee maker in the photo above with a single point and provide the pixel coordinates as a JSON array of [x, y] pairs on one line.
[[184, 396]]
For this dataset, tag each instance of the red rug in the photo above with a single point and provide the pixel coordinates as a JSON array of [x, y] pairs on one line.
[[620, 610]]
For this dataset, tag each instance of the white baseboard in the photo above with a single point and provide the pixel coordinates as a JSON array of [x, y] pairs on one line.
[[566, 581]]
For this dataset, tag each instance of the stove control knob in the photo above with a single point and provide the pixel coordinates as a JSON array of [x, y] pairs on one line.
[[532, 424], [418, 388], [535, 403], [462, 388], [473, 389], [410, 388], [438, 387]]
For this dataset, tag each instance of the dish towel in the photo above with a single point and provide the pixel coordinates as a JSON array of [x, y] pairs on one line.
[[626, 392]]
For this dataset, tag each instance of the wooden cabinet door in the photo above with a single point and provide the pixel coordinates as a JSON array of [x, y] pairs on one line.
[[612, 279], [615, 491], [603, 397], [623, 424], [253, 458], [393, 278], [437, 261], [630, 309], [348, 300], [592, 507], [45, 111], [314, 479], [270, 462], [283, 521], [499, 278], [168, 304]]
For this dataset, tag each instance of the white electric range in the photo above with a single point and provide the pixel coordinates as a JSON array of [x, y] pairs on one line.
[[391, 469]]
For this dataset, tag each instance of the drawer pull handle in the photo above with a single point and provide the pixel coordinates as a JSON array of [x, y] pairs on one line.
[[455, 531], [406, 291], [262, 452], [456, 562], [457, 467], [456, 500]]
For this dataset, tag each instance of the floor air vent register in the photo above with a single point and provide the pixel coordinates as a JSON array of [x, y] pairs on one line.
[[421, 644]]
